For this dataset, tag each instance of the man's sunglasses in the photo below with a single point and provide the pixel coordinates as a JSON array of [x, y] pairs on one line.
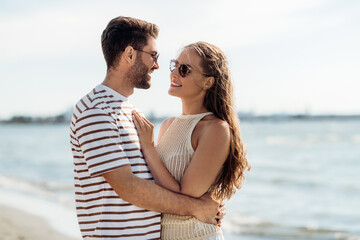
[[154, 55], [184, 69]]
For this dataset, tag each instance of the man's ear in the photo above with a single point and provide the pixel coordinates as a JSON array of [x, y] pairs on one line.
[[129, 54], [209, 81]]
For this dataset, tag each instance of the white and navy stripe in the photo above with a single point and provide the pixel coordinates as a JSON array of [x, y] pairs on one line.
[[103, 138]]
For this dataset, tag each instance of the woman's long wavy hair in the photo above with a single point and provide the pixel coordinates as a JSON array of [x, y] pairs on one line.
[[219, 100]]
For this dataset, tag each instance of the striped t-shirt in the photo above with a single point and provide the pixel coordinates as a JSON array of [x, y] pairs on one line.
[[103, 138]]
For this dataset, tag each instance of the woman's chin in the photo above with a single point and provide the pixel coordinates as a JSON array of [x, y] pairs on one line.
[[172, 93]]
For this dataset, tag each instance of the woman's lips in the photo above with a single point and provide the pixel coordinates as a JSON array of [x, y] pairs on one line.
[[173, 84]]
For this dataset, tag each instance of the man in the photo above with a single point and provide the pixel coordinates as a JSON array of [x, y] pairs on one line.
[[115, 193]]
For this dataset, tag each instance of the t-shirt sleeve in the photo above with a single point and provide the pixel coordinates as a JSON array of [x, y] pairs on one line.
[[100, 142]]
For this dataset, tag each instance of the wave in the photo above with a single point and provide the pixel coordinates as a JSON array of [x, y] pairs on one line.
[[311, 138], [61, 193], [255, 227]]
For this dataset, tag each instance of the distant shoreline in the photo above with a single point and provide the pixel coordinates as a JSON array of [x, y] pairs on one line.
[[63, 119], [299, 117]]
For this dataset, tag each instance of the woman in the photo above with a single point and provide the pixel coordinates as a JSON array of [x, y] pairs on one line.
[[201, 150]]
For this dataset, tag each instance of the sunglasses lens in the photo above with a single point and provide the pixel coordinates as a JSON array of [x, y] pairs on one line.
[[172, 66], [183, 70]]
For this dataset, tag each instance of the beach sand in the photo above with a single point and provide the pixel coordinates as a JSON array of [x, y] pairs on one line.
[[18, 225]]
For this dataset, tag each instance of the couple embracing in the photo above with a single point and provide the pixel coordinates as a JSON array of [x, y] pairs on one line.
[[127, 187]]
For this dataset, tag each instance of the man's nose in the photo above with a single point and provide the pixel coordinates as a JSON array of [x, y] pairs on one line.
[[156, 65]]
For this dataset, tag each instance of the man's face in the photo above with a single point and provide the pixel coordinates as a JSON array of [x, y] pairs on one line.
[[145, 64]]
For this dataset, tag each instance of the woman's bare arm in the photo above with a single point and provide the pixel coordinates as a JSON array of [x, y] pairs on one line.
[[210, 154], [161, 175]]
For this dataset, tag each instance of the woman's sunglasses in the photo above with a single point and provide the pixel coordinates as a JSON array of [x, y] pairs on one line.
[[184, 69]]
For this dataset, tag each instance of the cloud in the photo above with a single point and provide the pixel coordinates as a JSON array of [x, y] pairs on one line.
[[47, 33], [56, 30]]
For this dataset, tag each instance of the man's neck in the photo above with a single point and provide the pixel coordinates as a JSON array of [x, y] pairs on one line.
[[118, 82]]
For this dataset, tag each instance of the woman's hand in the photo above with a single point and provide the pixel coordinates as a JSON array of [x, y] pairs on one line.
[[145, 130]]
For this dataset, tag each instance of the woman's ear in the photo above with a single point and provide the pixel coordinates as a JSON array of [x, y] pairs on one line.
[[209, 81]]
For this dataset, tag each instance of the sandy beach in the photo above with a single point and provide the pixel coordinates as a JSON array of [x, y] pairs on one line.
[[18, 225]]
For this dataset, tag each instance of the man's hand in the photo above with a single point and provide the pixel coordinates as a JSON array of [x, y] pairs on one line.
[[210, 211]]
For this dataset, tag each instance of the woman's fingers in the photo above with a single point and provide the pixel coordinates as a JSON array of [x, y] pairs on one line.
[[144, 128], [137, 119], [142, 121], [140, 118], [147, 121]]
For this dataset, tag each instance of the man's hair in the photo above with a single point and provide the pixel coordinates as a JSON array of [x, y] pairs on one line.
[[122, 32]]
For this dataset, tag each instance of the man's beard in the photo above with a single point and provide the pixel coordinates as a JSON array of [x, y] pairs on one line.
[[138, 75]]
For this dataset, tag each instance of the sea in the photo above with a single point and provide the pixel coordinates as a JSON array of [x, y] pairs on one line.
[[304, 182]]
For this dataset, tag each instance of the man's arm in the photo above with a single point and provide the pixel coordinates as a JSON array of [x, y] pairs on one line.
[[97, 134], [147, 195]]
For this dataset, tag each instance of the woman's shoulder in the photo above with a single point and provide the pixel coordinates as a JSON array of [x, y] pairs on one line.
[[167, 122], [211, 122], [211, 131], [211, 126]]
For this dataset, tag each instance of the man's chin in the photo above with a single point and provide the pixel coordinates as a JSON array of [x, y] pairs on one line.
[[146, 85]]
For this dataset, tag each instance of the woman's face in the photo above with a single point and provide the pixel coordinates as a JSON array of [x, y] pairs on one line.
[[189, 86]]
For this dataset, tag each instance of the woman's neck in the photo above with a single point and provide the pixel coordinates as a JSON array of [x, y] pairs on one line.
[[193, 107]]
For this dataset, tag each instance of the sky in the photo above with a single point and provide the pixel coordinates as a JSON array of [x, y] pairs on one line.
[[298, 56]]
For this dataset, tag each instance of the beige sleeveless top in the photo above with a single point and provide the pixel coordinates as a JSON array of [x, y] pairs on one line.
[[175, 151]]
